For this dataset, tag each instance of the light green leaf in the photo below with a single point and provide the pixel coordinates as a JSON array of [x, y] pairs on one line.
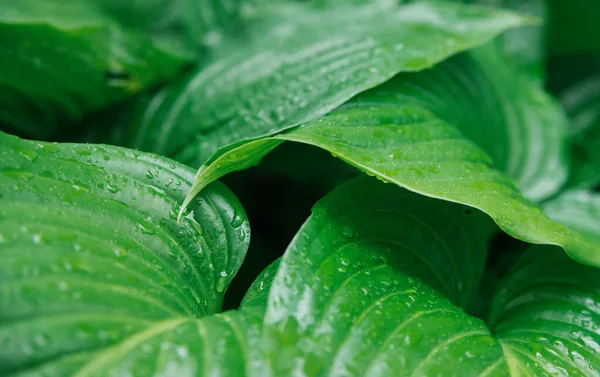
[[519, 126], [62, 60], [407, 145], [304, 66], [93, 257], [577, 209], [352, 306]]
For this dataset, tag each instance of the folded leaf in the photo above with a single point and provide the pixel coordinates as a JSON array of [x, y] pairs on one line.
[[304, 66], [62, 60], [93, 257], [520, 127]]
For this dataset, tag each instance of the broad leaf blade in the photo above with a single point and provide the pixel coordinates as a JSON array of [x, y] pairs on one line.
[[409, 146], [92, 252], [520, 127], [343, 301], [340, 307], [218, 345], [305, 65]]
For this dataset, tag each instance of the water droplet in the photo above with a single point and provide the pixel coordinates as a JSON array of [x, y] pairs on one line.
[[149, 174], [37, 239], [113, 189], [63, 286], [28, 154], [347, 231], [145, 230], [119, 252], [41, 339], [237, 221], [172, 255], [469, 354]]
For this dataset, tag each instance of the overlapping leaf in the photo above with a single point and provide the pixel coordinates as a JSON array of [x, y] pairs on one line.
[[61, 60], [93, 257], [407, 145], [347, 301], [304, 65]]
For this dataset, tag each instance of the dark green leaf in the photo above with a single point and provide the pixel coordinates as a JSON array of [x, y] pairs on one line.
[[63, 60], [93, 257], [301, 68]]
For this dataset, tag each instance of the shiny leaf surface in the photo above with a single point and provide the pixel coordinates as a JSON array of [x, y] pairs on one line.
[[93, 258], [350, 306], [62, 60], [304, 65]]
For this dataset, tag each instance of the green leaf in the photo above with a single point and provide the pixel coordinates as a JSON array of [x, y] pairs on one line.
[[407, 145], [256, 299], [356, 306], [519, 126], [577, 209], [304, 66], [64, 60], [93, 257], [219, 345], [546, 316]]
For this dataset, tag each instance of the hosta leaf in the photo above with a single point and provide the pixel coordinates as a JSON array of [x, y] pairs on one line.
[[256, 299], [347, 306], [546, 315], [341, 301], [578, 209], [520, 127], [218, 345], [93, 257], [581, 100], [63, 60], [301, 68]]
